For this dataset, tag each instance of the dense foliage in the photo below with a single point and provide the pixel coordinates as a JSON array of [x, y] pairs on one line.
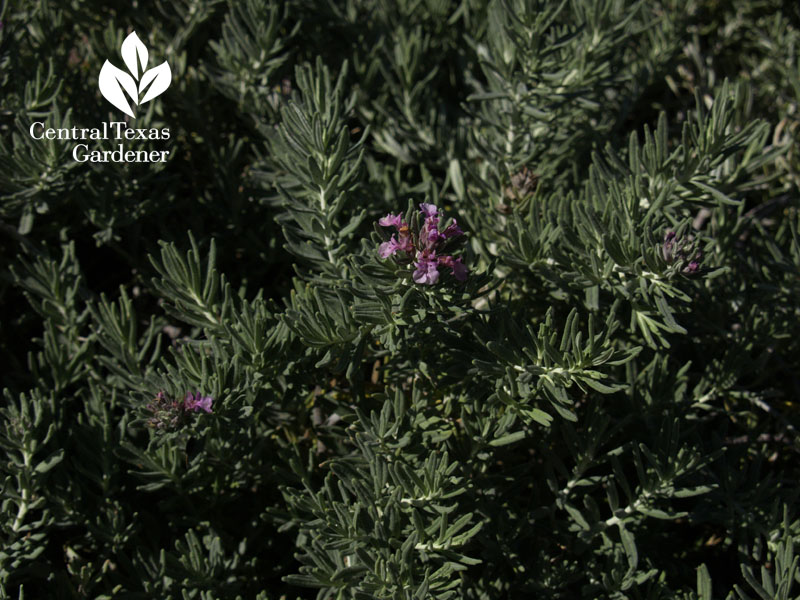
[[432, 299]]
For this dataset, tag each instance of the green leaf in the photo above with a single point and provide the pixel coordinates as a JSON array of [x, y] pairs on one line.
[[704, 590], [454, 172], [629, 545], [509, 438]]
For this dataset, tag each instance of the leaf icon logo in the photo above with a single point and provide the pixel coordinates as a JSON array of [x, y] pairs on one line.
[[115, 83]]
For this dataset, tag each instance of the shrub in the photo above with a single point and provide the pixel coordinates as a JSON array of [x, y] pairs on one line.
[[426, 300]]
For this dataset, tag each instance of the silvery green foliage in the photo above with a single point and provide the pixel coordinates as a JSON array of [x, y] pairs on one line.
[[250, 373]]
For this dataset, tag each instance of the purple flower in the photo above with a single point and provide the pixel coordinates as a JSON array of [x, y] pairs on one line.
[[387, 249], [459, 269], [196, 402], [452, 230], [426, 272], [402, 242], [391, 220], [429, 210], [429, 235]]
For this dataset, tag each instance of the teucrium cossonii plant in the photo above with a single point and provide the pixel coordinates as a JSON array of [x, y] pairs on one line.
[[460, 299]]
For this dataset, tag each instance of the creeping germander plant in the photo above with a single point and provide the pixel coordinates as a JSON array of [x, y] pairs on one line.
[[432, 300]]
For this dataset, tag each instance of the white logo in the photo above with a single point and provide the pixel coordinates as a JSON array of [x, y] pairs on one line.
[[113, 80]]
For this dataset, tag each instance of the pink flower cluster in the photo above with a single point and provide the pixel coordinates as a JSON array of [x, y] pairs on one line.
[[682, 249], [196, 402], [424, 246], [169, 413]]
